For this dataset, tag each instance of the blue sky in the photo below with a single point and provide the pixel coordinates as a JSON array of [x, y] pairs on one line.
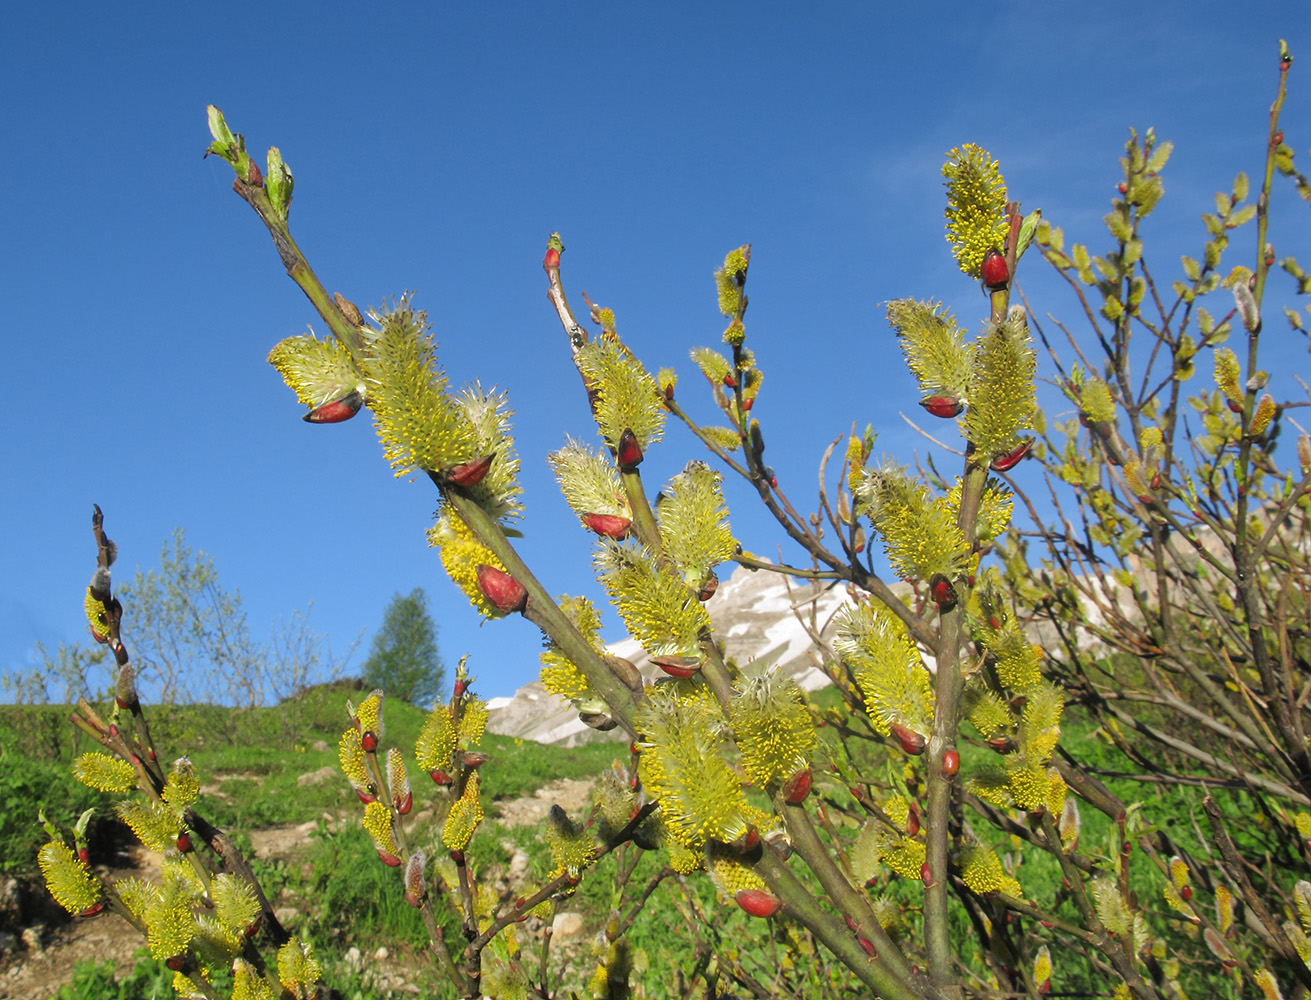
[[435, 147]]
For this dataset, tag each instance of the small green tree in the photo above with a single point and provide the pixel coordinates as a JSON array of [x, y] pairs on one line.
[[404, 660]]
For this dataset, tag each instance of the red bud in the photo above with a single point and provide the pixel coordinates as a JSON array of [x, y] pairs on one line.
[[758, 902], [708, 588], [608, 525], [369, 741], [798, 787], [926, 874], [82, 855], [911, 741], [405, 804], [950, 762], [440, 777], [365, 795], [93, 909], [473, 760], [746, 840], [912, 822], [729, 381], [630, 450], [552, 258], [184, 842], [994, 271], [336, 411], [677, 666], [177, 962], [1186, 893], [458, 691], [505, 593], [1234, 407], [1122, 187], [470, 473], [868, 946], [943, 406], [413, 898], [749, 402], [942, 592], [1013, 457], [389, 859]]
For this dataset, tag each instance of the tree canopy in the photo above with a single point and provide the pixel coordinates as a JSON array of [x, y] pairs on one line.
[[404, 659]]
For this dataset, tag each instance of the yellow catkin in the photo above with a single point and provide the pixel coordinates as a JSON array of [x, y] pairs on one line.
[[70, 882], [981, 870], [103, 772], [465, 815]]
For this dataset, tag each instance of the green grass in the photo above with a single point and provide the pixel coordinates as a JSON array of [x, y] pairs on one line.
[[92, 980], [346, 898]]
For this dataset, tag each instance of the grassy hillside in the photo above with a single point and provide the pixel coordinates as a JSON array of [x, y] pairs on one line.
[[251, 766]]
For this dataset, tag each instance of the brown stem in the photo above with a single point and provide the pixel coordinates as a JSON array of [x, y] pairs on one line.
[[854, 904], [799, 904], [1237, 871]]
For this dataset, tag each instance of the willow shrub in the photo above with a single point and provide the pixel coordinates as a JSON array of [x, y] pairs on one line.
[[1166, 595]]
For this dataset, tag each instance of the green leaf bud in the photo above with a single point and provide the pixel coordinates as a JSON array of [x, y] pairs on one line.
[[278, 183]]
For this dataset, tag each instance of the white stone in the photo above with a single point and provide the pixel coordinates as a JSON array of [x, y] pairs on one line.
[[567, 925]]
